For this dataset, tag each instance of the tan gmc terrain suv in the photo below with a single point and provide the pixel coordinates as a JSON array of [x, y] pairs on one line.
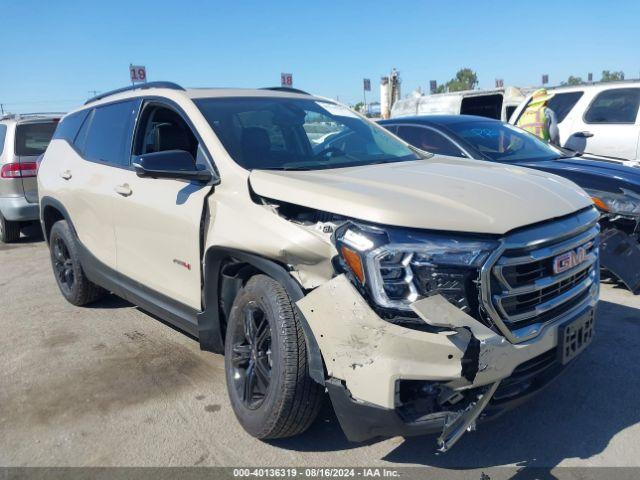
[[423, 293]]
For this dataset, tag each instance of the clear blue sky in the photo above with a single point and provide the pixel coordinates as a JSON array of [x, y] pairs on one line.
[[54, 52]]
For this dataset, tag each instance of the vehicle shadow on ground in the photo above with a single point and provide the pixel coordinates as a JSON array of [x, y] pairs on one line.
[[111, 301], [31, 233], [575, 417]]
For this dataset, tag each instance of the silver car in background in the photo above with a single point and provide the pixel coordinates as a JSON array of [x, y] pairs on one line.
[[23, 138]]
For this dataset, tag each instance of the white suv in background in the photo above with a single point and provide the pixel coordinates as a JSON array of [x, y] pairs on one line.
[[600, 119], [22, 139], [422, 292]]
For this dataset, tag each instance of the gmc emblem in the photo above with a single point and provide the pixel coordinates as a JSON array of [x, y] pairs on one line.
[[569, 259]]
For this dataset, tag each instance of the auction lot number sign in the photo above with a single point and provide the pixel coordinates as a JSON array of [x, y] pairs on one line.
[[138, 73], [286, 79]]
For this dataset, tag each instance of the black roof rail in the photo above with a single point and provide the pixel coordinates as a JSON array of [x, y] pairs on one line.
[[141, 86], [286, 89]]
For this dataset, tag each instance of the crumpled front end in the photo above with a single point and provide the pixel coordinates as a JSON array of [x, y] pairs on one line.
[[410, 362], [388, 380]]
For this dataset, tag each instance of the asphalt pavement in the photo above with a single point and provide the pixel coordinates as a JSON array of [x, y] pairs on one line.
[[112, 385]]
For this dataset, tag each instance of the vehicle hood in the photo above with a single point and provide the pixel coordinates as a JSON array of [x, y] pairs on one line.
[[439, 193], [590, 173]]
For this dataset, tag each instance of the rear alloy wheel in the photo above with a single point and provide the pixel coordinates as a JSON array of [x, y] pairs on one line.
[[266, 365], [63, 266], [9, 231], [65, 260]]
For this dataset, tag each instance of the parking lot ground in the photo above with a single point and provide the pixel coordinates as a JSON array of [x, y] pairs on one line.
[[112, 385]]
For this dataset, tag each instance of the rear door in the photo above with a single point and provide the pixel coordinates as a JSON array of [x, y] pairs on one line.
[[31, 141], [158, 221], [613, 119], [100, 151]]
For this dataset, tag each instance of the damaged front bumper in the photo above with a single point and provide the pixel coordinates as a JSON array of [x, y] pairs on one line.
[[620, 255], [388, 380]]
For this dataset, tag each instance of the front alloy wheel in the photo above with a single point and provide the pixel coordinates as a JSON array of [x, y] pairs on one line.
[[251, 356], [266, 362]]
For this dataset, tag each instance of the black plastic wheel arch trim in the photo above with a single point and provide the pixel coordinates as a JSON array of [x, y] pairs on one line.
[[209, 321]]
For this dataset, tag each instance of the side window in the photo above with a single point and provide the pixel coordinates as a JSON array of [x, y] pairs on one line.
[[429, 140], [3, 134], [69, 126], [161, 129], [563, 103], [108, 136], [618, 105]]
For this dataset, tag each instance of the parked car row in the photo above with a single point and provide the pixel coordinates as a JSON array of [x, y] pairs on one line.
[[601, 119], [609, 114], [424, 284]]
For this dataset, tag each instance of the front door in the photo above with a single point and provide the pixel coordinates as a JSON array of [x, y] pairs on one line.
[[158, 221]]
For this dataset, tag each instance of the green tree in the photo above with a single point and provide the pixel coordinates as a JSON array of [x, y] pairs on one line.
[[359, 107], [608, 76], [573, 81], [465, 79]]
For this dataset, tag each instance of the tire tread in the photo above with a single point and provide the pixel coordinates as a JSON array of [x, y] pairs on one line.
[[301, 398]]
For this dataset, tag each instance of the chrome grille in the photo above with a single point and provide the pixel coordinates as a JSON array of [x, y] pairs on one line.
[[522, 293]]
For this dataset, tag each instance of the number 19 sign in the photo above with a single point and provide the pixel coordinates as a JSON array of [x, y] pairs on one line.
[[138, 73]]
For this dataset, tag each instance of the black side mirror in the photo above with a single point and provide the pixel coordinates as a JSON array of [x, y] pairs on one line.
[[177, 164]]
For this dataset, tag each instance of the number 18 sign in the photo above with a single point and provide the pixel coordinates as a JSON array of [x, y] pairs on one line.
[[138, 73], [286, 80]]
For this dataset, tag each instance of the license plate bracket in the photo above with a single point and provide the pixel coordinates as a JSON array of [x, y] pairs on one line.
[[575, 335]]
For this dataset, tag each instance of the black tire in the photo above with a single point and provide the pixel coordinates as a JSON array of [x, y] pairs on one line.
[[65, 260], [9, 231], [290, 402]]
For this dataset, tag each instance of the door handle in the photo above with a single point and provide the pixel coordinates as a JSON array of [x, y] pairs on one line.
[[124, 190], [66, 175]]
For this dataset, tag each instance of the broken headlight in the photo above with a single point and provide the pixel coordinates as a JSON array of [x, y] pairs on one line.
[[399, 266], [624, 203]]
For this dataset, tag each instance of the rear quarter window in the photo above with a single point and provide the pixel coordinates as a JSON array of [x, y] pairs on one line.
[[69, 126], [618, 105], [32, 139], [3, 134]]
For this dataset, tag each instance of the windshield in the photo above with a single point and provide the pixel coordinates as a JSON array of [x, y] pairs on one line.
[[502, 142], [33, 138], [298, 134]]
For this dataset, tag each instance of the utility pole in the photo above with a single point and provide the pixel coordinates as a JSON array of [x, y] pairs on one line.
[[93, 93], [2, 108]]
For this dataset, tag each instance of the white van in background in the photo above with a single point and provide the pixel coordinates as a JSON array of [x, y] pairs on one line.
[[498, 103], [600, 119]]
